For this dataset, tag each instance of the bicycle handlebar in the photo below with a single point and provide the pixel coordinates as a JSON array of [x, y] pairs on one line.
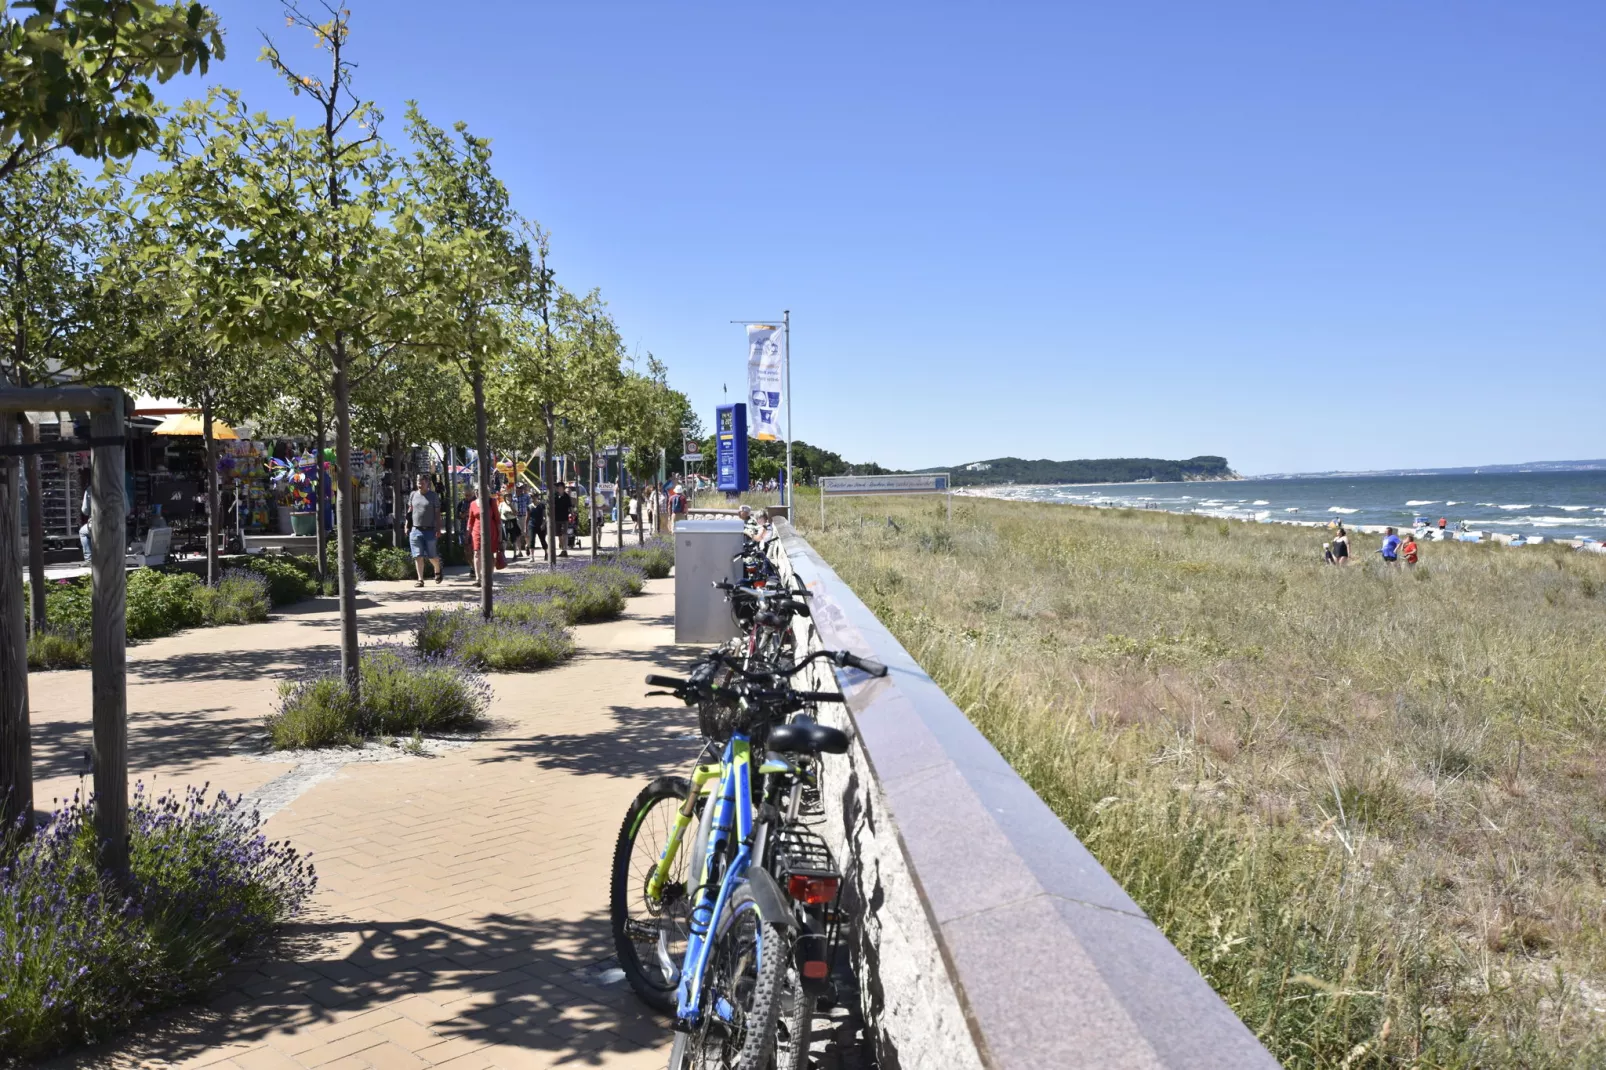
[[674, 683]]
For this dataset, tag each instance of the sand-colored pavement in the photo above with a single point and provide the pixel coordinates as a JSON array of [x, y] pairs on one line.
[[461, 913]]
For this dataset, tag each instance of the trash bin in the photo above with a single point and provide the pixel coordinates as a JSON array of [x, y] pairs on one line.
[[703, 552]]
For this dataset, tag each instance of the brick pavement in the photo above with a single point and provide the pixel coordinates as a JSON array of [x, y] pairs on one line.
[[461, 914]]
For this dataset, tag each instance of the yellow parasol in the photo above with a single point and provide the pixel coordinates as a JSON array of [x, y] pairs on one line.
[[189, 423]]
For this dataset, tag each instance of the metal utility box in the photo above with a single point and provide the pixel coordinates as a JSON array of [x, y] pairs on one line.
[[703, 552]]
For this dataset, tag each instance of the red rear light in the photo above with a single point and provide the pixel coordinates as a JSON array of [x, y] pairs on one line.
[[812, 890], [814, 970]]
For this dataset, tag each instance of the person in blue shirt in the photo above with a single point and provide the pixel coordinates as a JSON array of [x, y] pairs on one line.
[[1391, 547]]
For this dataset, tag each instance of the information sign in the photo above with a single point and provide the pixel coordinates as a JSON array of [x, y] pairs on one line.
[[730, 447], [918, 483]]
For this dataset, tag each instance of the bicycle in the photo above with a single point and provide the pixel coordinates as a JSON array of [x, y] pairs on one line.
[[731, 918]]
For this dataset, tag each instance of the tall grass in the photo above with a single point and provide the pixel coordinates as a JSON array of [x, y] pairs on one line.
[[1368, 804], [402, 692]]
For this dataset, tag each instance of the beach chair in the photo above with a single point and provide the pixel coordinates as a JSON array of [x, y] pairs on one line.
[[153, 551]]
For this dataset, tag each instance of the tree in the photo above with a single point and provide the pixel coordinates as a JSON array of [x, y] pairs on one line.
[[74, 74], [476, 267], [650, 420], [51, 228], [322, 248], [597, 398]]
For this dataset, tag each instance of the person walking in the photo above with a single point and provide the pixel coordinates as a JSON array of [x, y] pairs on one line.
[[1408, 550], [677, 505], [478, 527], [538, 520], [562, 508], [521, 517], [510, 521], [1327, 554], [423, 522]]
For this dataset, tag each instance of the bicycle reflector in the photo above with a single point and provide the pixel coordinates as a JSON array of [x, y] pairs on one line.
[[811, 890]]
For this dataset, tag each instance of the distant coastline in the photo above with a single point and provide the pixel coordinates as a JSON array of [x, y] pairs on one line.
[[1469, 470]]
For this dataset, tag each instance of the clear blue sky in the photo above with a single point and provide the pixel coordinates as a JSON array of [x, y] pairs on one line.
[[1304, 236]]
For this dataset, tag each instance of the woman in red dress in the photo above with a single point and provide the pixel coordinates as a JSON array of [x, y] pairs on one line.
[[475, 527]]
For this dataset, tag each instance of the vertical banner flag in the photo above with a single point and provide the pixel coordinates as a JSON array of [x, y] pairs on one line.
[[766, 376]]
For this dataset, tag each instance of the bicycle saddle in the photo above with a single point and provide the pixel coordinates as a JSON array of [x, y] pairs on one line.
[[806, 735]]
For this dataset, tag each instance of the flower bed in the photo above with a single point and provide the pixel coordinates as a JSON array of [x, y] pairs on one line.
[[158, 603], [402, 692], [655, 558], [83, 960]]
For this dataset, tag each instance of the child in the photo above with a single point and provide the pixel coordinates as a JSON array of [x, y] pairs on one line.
[[1408, 551], [1327, 553]]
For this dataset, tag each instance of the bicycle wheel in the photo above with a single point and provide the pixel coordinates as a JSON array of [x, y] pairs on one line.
[[796, 1025], [649, 932], [741, 995]]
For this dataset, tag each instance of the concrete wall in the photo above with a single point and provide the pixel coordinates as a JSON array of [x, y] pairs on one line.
[[990, 937]]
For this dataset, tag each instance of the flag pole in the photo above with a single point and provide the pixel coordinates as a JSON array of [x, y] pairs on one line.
[[786, 325]]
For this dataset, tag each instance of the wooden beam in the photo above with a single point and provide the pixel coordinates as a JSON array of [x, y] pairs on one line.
[[16, 748], [108, 664], [89, 399]]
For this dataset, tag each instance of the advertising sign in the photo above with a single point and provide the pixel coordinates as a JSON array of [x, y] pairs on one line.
[[846, 486], [730, 447], [919, 483], [766, 378]]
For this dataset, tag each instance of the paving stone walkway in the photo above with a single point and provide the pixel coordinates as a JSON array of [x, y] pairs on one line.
[[461, 914]]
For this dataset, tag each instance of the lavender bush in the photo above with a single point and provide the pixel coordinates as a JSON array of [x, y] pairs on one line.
[[588, 594], [403, 692], [655, 558], [240, 597], [527, 633], [81, 959]]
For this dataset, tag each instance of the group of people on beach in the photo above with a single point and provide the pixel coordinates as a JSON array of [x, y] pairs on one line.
[[1394, 550]]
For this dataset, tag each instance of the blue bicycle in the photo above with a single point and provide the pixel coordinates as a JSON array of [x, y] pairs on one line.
[[752, 949]]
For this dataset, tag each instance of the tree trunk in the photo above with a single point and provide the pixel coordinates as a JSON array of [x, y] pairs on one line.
[[619, 493], [549, 476], [319, 528], [16, 748], [398, 475], [490, 523], [211, 495], [36, 529], [591, 498], [345, 522]]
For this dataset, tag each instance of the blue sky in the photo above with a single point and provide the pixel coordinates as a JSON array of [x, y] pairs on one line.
[[1304, 236]]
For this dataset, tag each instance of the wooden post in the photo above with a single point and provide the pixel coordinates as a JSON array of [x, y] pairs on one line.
[[16, 749], [108, 663]]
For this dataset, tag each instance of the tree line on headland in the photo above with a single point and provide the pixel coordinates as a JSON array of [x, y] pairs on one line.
[[765, 460]]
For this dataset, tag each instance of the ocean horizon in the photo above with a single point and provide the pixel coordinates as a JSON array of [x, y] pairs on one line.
[[1551, 505]]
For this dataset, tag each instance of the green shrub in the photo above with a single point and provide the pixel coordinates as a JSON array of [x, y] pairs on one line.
[[380, 562], [526, 634], [240, 597], [403, 692], [84, 960], [160, 603], [589, 594], [655, 559], [288, 582], [65, 648]]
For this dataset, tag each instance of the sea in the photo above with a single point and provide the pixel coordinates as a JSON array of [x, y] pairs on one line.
[[1551, 505]]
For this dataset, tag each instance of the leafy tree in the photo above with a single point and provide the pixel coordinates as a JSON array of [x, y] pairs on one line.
[[74, 74], [53, 320], [477, 264], [322, 248], [598, 401]]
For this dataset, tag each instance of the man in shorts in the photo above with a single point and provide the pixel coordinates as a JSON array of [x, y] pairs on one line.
[[423, 520], [1390, 548]]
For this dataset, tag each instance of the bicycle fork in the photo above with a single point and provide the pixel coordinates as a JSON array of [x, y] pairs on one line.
[[733, 807]]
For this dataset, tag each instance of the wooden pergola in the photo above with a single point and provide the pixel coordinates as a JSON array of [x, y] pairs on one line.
[[107, 408]]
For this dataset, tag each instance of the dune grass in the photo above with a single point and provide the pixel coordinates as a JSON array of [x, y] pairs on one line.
[[1368, 804]]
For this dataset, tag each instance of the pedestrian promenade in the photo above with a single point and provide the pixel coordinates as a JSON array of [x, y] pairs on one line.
[[461, 913]]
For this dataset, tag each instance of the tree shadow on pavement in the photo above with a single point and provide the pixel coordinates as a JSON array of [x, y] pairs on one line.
[[175, 740], [644, 740], [248, 664], [503, 980]]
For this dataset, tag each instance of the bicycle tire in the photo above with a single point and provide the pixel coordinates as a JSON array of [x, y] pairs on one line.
[[760, 983], [628, 888], [796, 1023]]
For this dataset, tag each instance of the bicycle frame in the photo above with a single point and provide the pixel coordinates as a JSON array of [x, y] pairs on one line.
[[733, 805], [701, 783]]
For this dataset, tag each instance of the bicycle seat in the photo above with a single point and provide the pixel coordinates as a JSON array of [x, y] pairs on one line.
[[806, 735]]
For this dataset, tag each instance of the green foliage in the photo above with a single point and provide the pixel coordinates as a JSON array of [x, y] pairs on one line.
[[655, 559], [380, 562], [74, 74], [291, 578], [587, 595], [516, 641], [85, 959], [402, 693], [160, 603], [58, 648], [239, 597], [1111, 470]]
